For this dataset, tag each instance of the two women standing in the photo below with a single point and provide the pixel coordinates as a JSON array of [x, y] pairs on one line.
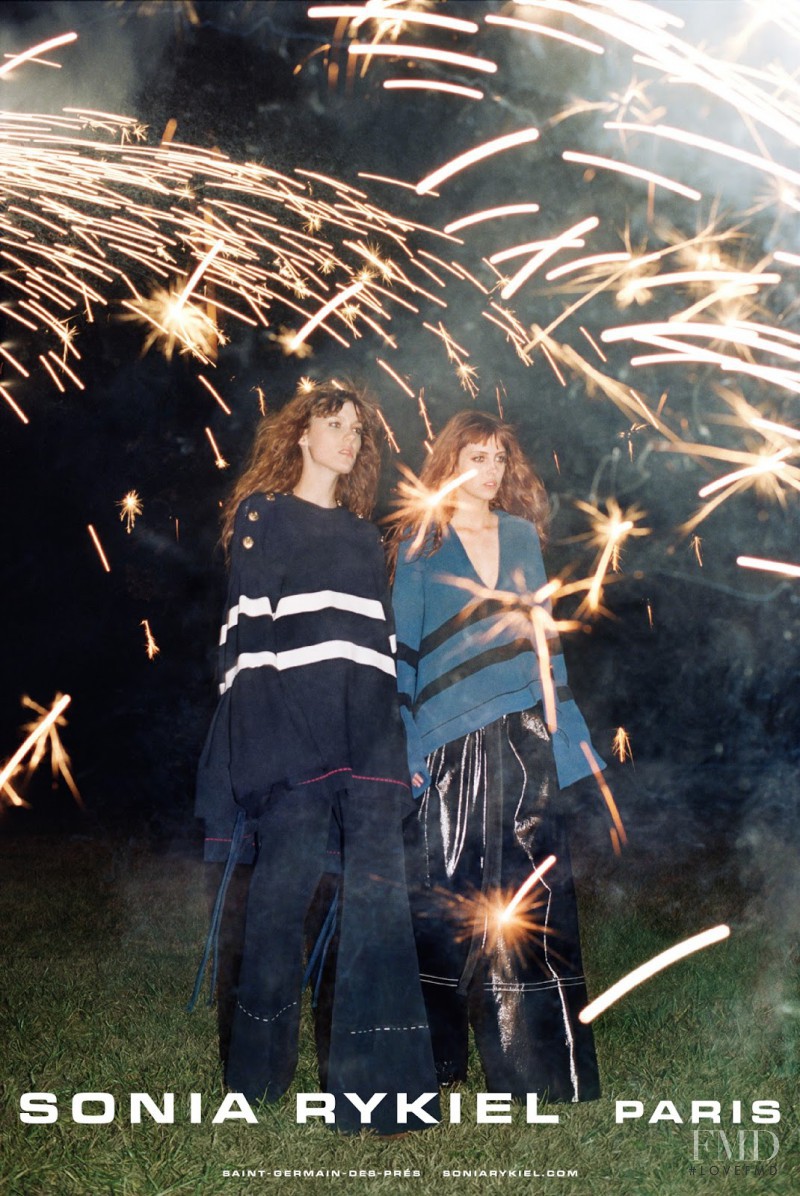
[[306, 757]]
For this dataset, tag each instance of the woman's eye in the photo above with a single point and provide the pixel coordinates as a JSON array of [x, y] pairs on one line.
[[358, 431]]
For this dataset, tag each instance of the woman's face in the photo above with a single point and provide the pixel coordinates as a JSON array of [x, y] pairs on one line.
[[333, 441], [489, 460]]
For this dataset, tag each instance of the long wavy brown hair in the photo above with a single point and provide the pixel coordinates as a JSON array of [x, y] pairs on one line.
[[520, 493], [276, 462]]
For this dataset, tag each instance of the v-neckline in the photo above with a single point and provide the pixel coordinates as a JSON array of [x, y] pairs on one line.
[[471, 563]]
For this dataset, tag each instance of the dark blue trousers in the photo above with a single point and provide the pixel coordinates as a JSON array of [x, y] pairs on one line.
[[379, 1037]]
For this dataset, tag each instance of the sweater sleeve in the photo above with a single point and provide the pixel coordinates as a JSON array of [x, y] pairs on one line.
[[408, 600], [243, 754]]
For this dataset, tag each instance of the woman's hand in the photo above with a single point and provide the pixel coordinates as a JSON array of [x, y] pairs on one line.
[[417, 780]]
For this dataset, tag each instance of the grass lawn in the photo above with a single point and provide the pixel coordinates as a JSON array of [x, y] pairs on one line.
[[101, 942]]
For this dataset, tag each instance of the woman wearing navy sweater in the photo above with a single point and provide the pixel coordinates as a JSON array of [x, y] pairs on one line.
[[305, 762], [489, 773]]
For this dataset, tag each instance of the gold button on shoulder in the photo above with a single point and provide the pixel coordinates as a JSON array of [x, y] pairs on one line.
[[270, 498], [248, 542], [253, 516]]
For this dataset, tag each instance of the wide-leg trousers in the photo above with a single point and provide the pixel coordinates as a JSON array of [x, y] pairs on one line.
[[379, 1037], [488, 819]]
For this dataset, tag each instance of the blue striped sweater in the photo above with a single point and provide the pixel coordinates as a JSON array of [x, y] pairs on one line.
[[464, 661]]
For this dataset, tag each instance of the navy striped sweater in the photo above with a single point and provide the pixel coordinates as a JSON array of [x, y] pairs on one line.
[[308, 696], [462, 664]]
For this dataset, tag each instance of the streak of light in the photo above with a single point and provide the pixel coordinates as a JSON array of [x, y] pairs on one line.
[[765, 165], [392, 374], [496, 146], [389, 433], [198, 273], [99, 548], [467, 61], [402, 16], [546, 31], [42, 728], [510, 209], [556, 244], [608, 796], [325, 310], [62, 40], [766, 465], [219, 460], [769, 425], [151, 647], [598, 259], [526, 886], [456, 89], [592, 341], [636, 172], [696, 546], [214, 394], [129, 507], [657, 964], [754, 562], [14, 406], [59, 758]]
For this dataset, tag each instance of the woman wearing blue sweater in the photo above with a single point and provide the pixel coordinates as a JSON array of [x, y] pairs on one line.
[[489, 772]]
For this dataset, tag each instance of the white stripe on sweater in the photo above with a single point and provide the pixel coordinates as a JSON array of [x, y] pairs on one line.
[[312, 654], [301, 604]]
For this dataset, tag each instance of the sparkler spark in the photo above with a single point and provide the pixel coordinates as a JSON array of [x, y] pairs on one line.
[[42, 732], [151, 646], [657, 964], [130, 506]]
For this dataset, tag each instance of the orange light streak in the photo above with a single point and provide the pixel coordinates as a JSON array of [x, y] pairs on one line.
[[636, 172], [403, 385], [583, 263], [526, 886], [511, 209], [214, 394], [456, 89], [390, 16], [767, 465], [219, 460], [657, 964], [14, 406], [467, 61], [608, 796], [546, 31], [99, 547], [496, 146], [544, 255], [40, 730], [63, 39], [330, 306]]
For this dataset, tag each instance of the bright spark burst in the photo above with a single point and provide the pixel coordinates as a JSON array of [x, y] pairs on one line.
[[609, 531], [42, 733], [129, 507]]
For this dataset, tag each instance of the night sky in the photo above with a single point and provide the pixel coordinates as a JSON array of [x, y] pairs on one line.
[[708, 693]]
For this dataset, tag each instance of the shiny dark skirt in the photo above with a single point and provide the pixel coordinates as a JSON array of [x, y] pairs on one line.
[[490, 816]]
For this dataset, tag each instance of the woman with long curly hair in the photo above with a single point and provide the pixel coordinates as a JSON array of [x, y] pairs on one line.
[[489, 769], [305, 766]]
